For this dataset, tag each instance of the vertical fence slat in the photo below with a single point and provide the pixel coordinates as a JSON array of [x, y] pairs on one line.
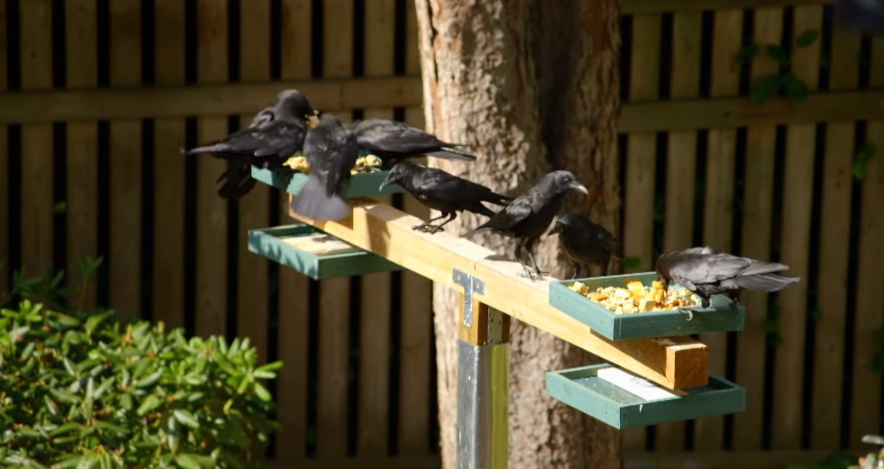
[[125, 163], [718, 209], [757, 214], [169, 190], [211, 224], [865, 412], [82, 140], [334, 299], [374, 326], [641, 165], [795, 244], [417, 308], [832, 274], [291, 386], [4, 162], [681, 164], [251, 308], [36, 154]]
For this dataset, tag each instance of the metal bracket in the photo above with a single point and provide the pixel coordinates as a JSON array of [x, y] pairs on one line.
[[470, 285]]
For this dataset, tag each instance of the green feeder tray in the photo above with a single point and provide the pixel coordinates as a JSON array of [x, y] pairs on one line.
[[584, 390], [720, 316], [361, 184], [314, 253]]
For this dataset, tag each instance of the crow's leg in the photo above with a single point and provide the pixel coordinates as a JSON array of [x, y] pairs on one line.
[[433, 229], [424, 226], [525, 269], [576, 271], [704, 303], [538, 274]]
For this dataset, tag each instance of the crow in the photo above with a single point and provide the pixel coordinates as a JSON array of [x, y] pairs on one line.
[[529, 215], [442, 191], [706, 271], [331, 151], [584, 241], [394, 141], [275, 134]]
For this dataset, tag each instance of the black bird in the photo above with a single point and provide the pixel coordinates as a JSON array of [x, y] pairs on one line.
[[331, 152], [861, 16], [707, 271], [394, 141], [275, 134], [585, 241], [527, 217], [442, 191]]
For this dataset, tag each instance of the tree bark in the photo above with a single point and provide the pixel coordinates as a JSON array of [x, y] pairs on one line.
[[532, 86]]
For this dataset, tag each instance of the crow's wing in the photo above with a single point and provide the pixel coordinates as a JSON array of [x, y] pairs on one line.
[[393, 136]]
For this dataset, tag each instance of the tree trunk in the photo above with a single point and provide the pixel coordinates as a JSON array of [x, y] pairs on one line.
[[531, 86]]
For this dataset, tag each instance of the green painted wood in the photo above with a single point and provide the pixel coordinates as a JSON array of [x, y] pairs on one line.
[[582, 389], [720, 316], [361, 185], [268, 242]]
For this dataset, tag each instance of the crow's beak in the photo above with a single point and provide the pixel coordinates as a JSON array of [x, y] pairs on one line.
[[312, 121], [578, 187], [386, 182], [557, 228]]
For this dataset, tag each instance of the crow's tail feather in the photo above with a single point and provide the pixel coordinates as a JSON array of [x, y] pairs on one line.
[[764, 282], [314, 202], [452, 155], [237, 181]]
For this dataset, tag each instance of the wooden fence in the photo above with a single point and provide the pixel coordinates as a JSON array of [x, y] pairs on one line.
[[103, 93]]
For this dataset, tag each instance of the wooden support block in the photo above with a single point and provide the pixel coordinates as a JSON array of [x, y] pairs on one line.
[[674, 362]]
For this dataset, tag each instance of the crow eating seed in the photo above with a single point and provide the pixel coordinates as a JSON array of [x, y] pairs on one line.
[[527, 217], [442, 191], [394, 141], [585, 242], [331, 153], [707, 271], [275, 133]]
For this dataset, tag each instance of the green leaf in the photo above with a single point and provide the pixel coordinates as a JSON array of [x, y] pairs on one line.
[[807, 37], [746, 53], [149, 380], [61, 207], [863, 154], [194, 461], [794, 87], [873, 440], [149, 404], [66, 428], [878, 339], [261, 392], [777, 54], [119, 431], [186, 418], [273, 366], [264, 374]]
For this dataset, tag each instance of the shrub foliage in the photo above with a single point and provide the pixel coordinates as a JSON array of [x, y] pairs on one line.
[[80, 389]]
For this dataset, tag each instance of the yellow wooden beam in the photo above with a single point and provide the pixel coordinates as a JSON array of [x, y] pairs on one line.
[[30, 107], [674, 362]]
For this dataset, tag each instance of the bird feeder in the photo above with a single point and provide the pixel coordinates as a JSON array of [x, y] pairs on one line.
[[649, 380], [720, 316], [623, 400], [361, 184], [314, 253]]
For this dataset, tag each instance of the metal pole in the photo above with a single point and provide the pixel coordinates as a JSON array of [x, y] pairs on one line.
[[482, 381]]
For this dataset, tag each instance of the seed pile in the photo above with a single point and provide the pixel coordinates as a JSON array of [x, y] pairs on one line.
[[364, 164], [638, 298]]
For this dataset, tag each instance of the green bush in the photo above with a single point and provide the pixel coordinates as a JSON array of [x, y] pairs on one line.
[[79, 389]]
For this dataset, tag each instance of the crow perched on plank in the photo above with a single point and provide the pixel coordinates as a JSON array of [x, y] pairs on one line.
[[275, 134], [442, 191], [331, 152], [585, 242], [707, 271], [394, 141], [527, 217]]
